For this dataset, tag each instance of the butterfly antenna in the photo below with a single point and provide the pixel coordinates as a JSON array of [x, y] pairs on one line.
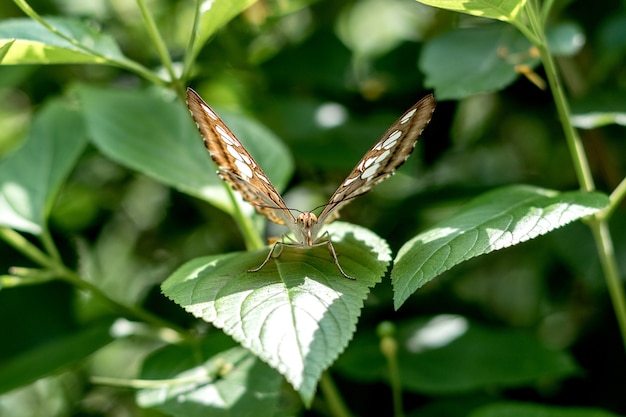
[[342, 201]]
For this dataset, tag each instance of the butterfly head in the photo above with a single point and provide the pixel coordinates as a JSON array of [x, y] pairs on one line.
[[306, 221]]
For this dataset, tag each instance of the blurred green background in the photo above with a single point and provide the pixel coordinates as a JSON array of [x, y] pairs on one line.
[[328, 77]]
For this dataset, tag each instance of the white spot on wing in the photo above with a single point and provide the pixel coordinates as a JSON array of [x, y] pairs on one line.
[[369, 172], [208, 111], [233, 152], [408, 116], [263, 178], [225, 136], [368, 162], [382, 156], [244, 169], [392, 139]]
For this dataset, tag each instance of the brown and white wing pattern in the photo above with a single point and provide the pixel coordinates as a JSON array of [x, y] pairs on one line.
[[236, 165], [382, 160]]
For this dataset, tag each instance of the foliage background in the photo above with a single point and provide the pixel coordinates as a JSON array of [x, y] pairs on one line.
[[280, 63]]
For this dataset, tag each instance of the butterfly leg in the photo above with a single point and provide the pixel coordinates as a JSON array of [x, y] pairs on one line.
[[269, 256], [331, 249]]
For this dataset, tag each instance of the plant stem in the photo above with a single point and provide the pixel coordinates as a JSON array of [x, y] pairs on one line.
[[606, 253], [57, 269], [597, 223], [618, 194], [22, 245], [331, 394], [155, 35], [128, 311], [576, 148]]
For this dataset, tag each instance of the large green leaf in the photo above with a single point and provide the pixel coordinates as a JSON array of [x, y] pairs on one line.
[[155, 135], [53, 356], [32, 175], [298, 313], [449, 354], [495, 220], [468, 61], [600, 108], [230, 383], [75, 42]]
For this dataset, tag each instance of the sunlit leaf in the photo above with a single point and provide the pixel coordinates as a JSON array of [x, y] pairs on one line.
[[230, 383], [32, 43], [32, 175], [298, 313], [493, 221], [600, 108], [213, 15], [506, 10]]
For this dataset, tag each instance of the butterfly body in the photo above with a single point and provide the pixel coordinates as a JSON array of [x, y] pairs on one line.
[[240, 170]]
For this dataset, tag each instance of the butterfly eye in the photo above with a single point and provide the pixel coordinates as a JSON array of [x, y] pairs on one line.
[[306, 219]]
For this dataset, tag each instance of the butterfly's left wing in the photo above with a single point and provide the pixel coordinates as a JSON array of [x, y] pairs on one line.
[[237, 167], [382, 160]]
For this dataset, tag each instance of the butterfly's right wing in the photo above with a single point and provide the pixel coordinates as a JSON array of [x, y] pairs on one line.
[[236, 165], [382, 160]]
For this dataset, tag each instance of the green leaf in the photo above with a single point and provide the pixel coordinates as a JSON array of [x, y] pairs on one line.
[[298, 313], [53, 356], [468, 61], [4, 49], [32, 175], [495, 220], [155, 135], [448, 354], [505, 10], [600, 109], [213, 15], [396, 21], [512, 409], [565, 39], [230, 383], [76, 42], [53, 396]]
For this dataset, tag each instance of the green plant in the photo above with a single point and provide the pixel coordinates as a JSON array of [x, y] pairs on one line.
[[99, 152]]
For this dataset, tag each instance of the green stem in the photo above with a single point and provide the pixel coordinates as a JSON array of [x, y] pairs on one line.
[[48, 244], [157, 39], [598, 223], [333, 398], [21, 244], [389, 349], [127, 311], [190, 55], [250, 235], [617, 196], [606, 253], [55, 268], [577, 151]]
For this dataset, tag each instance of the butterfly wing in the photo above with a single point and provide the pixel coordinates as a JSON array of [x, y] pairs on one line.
[[382, 160], [236, 165]]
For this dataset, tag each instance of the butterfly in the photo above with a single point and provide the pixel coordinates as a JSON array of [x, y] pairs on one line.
[[240, 170]]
